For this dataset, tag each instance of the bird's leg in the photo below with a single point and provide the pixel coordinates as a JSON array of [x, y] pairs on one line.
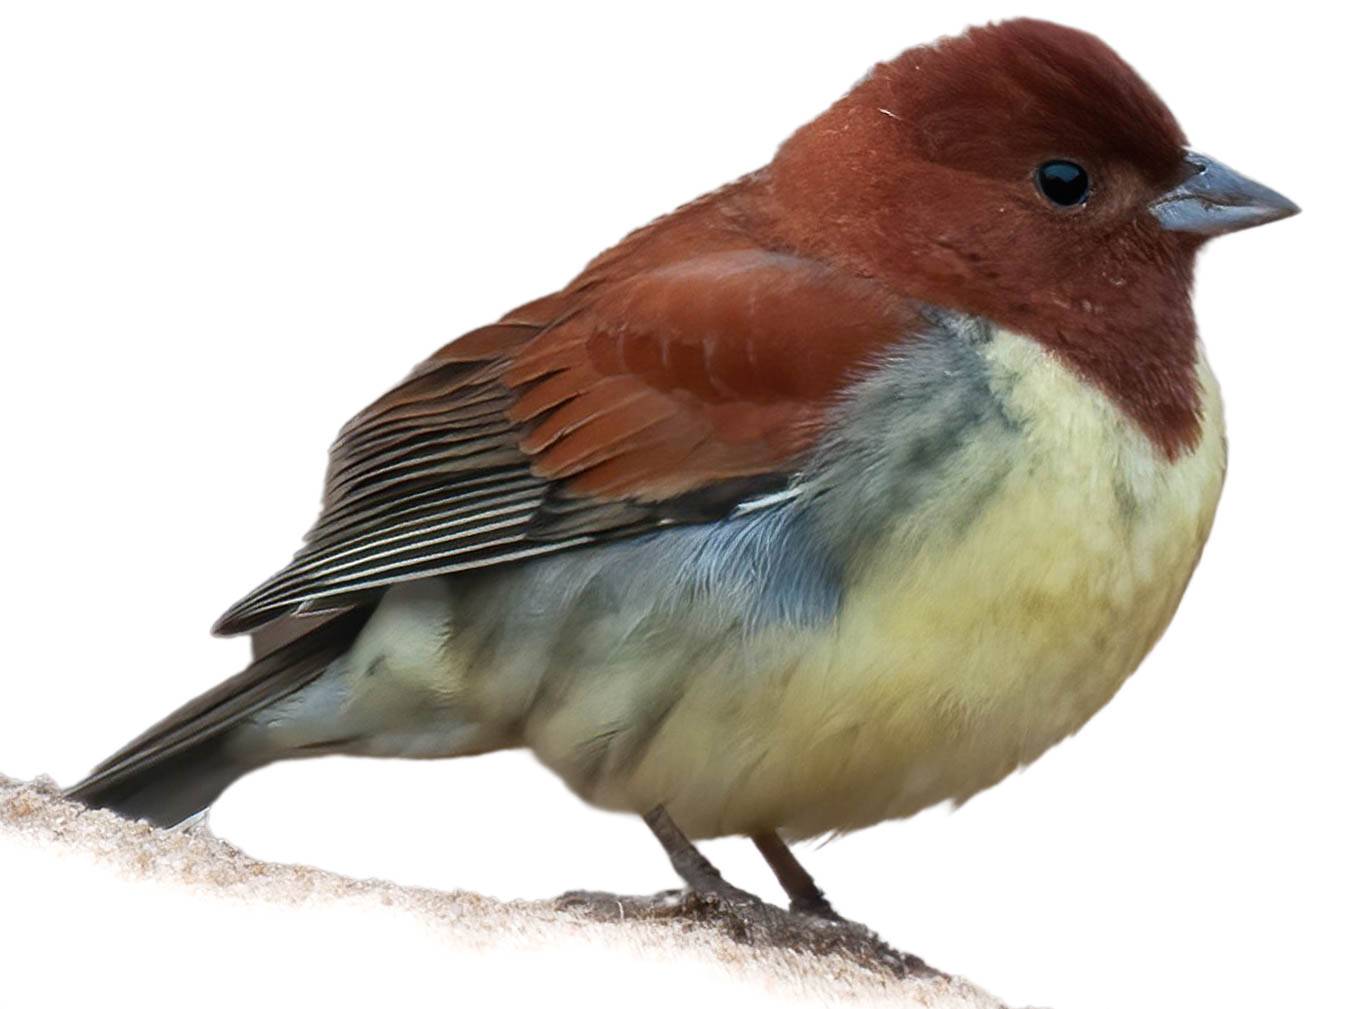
[[695, 869], [804, 895], [810, 924]]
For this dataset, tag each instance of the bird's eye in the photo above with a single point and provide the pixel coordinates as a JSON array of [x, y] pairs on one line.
[[1063, 183]]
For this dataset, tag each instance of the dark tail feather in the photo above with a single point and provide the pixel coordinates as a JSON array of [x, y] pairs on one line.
[[167, 790], [180, 765]]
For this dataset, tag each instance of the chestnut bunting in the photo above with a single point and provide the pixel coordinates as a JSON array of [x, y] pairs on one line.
[[843, 490]]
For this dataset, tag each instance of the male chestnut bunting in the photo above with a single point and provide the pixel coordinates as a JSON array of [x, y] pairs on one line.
[[839, 492]]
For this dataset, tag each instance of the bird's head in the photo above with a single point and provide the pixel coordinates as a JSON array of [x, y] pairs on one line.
[[1024, 172]]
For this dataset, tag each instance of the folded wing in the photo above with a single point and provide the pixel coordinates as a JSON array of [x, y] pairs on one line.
[[620, 405]]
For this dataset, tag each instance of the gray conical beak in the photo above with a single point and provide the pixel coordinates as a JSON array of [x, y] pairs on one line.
[[1214, 200]]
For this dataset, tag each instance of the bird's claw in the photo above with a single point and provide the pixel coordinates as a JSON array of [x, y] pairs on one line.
[[750, 920]]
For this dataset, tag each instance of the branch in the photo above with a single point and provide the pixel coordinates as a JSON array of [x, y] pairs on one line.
[[788, 955]]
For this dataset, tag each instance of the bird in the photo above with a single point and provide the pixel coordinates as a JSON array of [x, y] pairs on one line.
[[842, 491]]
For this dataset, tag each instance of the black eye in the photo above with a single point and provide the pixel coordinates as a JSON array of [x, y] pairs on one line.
[[1063, 183]]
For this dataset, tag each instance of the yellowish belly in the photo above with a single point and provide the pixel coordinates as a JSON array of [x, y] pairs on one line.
[[953, 665]]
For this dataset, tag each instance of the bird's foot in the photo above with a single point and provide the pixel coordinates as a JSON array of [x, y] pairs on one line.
[[819, 908], [745, 918]]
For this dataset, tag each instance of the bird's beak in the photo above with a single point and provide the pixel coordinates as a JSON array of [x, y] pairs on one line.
[[1214, 200]]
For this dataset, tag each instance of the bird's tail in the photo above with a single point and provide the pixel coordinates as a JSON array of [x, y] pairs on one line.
[[180, 765]]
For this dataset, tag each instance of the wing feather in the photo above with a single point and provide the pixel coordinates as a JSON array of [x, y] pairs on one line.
[[618, 406]]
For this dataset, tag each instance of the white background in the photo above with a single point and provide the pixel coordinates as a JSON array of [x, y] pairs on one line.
[[225, 227]]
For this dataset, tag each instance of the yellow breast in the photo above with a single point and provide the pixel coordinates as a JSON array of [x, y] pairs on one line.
[[951, 666]]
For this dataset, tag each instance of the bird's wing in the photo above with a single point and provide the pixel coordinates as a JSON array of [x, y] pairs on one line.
[[668, 396]]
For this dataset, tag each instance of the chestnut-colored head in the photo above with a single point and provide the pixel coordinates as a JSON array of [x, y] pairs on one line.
[[1012, 172]]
